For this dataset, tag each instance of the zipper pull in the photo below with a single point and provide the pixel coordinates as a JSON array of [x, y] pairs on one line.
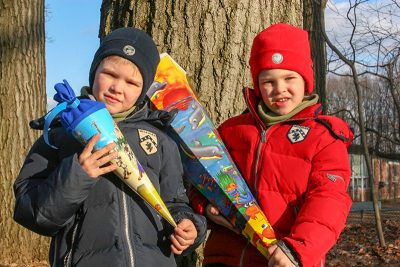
[[263, 135]]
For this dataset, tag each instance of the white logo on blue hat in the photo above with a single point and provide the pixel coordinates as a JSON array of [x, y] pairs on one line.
[[277, 58], [129, 50]]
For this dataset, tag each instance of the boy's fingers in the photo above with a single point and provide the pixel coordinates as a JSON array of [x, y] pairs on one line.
[[107, 169], [214, 210], [185, 224], [106, 159], [93, 141], [187, 230], [181, 240], [180, 235], [104, 150], [175, 243], [175, 250], [87, 151]]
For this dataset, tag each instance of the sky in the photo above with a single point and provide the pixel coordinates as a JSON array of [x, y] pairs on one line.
[[72, 28]]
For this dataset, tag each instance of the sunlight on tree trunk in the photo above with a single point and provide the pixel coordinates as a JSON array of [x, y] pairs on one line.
[[211, 40], [22, 88]]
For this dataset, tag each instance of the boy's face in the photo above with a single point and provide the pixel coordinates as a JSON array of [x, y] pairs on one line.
[[117, 83], [281, 90]]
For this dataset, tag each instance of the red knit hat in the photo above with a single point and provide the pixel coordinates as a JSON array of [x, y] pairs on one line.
[[282, 46]]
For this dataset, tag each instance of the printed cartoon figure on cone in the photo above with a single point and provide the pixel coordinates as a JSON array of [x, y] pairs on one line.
[[206, 161]]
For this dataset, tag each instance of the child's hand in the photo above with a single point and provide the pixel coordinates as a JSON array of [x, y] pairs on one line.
[[97, 163], [213, 214], [278, 258], [184, 235]]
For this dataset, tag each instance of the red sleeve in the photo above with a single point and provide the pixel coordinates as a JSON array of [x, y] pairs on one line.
[[323, 215], [197, 200]]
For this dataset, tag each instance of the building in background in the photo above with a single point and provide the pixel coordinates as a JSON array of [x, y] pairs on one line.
[[386, 173]]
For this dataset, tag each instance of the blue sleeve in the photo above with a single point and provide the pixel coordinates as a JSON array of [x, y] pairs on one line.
[[49, 189]]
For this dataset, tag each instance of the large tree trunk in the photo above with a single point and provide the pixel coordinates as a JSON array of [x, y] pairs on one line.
[[211, 40], [314, 19], [22, 89]]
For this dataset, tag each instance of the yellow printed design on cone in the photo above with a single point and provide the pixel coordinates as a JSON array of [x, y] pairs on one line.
[[133, 174]]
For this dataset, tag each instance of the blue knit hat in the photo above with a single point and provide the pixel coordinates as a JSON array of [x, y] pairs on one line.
[[134, 45]]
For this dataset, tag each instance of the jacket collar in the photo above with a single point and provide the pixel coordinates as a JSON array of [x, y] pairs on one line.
[[158, 118], [252, 101]]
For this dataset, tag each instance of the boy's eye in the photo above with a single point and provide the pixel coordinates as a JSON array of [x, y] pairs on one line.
[[109, 73], [134, 83], [290, 78]]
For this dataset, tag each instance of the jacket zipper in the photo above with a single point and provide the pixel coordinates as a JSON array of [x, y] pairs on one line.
[[242, 254], [126, 228], [68, 256], [256, 178], [55, 251]]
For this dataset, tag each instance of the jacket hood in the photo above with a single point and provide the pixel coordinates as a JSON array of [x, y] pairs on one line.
[[158, 118]]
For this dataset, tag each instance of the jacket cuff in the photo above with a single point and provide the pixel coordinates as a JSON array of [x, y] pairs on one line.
[[200, 223], [289, 252]]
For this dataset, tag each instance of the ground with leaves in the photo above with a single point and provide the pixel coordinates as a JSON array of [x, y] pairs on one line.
[[359, 246]]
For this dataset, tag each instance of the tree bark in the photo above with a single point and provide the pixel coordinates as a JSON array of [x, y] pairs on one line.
[[314, 19], [211, 40], [23, 97]]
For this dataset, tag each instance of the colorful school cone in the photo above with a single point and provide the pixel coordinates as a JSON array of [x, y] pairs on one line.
[[83, 119], [206, 162]]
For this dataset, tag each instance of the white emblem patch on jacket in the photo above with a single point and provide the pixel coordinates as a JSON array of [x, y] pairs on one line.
[[297, 133], [148, 141]]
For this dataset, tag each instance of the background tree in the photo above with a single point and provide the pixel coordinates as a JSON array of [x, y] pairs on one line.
[[376, 42], [22, 89], [367, 51]]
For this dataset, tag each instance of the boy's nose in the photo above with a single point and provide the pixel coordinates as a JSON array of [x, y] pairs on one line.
[[116, 87], [280, 87]]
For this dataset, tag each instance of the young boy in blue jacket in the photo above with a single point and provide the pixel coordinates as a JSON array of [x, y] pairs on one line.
[[72, 195]]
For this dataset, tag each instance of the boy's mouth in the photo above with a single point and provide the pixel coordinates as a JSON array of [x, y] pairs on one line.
[[112, 99], [279, 100]]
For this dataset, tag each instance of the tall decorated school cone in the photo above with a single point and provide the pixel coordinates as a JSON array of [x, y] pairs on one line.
[[207, 163], [83, 118]]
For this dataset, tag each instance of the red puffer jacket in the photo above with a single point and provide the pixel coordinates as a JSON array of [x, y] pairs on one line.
[[299, 172]]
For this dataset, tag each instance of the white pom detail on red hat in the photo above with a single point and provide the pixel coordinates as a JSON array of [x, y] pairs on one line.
[[277, 58]]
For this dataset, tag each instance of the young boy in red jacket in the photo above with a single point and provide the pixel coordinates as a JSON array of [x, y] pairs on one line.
[[293, 158]]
